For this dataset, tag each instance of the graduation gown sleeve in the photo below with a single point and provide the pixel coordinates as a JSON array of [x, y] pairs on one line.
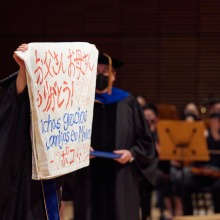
[[137, 138], [21, 197], [8, 118]]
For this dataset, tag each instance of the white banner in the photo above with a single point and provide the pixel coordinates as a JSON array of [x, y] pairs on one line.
[[61, 81]]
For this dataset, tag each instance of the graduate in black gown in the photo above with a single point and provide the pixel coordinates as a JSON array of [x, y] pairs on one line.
[[109, 188], [21, 197]]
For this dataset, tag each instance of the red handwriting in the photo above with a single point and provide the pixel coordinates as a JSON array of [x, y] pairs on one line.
[[54, 93], [64, 158], [52, 64], [69, 156], [82, 152], [55, 96]]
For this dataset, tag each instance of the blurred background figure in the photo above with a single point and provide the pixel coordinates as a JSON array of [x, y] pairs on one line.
[[141, 100], [150, 113], [206, 174], [191, 112], [163, 187]]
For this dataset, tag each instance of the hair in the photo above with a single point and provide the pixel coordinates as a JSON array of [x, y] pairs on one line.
[[152, 107]]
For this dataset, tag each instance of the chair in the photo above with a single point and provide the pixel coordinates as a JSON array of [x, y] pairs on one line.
[[167, 111], [194, 217]]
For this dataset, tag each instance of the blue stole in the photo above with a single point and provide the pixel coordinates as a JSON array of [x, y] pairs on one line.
[[50, 199], [117, 95]]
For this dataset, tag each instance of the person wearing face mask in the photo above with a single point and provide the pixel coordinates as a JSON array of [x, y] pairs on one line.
[[206, 174], [168, 201], [191, 112], [109, 187]]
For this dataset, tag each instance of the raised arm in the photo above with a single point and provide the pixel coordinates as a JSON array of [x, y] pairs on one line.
[[21, 81]]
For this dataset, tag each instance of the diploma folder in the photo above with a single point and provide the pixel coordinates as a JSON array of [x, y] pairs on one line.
[[105, 154]]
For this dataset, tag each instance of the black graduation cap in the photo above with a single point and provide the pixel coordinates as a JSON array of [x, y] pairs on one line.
[[8, 80], [111, 62], [104, 59]]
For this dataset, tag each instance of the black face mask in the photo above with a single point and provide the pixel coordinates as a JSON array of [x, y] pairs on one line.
[[101, 82], [215, 115], [189, 114]]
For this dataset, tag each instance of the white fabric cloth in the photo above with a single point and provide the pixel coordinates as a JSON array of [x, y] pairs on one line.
[[61, 81]]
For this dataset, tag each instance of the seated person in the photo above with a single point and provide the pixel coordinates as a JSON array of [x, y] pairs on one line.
[[207, 177], [190, 113], [163, 184]]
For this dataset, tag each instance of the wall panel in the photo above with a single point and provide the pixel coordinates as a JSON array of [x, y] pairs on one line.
[[170, 48]]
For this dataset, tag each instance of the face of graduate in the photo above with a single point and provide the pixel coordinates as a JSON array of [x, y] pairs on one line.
[[102, 79]]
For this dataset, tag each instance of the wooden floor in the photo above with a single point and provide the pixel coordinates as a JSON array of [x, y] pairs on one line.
[[67, 212], [199, 212], [193, 217]]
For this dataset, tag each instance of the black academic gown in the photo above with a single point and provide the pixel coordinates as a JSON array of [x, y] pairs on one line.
[[107, 190], [21, 198]]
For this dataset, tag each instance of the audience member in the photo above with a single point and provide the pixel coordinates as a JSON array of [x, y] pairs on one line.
[[163, 184], [208, 175], [141, 100], [190, 113]]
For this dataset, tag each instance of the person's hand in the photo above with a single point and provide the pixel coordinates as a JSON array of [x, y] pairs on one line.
[[21, 81], [91, 149], [175, 163], [126, 156], [20, 62]]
